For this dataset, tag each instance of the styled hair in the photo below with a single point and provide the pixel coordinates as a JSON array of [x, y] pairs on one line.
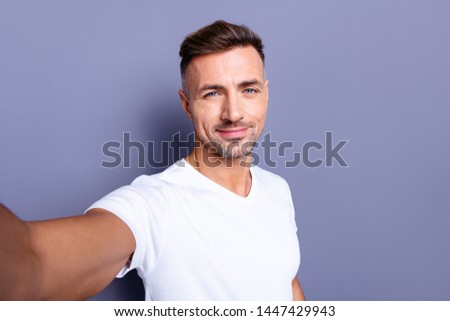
[[216, 37]]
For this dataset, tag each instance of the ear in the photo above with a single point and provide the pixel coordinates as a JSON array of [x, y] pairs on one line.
[[185, 103], [266, 89]]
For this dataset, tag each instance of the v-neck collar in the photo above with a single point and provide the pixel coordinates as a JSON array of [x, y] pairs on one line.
[[216, 186]]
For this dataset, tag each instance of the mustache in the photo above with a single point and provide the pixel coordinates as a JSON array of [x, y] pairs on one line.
[[230, 125]]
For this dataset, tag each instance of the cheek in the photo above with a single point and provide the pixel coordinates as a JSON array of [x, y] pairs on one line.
[[259, 113], [209, 111], [204, 119]]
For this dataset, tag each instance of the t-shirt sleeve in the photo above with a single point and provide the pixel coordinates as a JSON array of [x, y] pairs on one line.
[[144, 219]]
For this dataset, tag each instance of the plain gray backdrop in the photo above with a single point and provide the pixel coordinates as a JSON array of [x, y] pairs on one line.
[[77, 74]]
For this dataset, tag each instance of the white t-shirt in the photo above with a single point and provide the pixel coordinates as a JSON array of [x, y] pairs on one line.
[[196, 240]]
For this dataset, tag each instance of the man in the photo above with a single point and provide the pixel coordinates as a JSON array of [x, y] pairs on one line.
[[210, 227]]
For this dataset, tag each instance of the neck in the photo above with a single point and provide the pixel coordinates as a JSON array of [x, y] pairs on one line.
[[231, 173]]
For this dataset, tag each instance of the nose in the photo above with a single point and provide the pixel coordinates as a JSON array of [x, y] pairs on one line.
[[232, 110]]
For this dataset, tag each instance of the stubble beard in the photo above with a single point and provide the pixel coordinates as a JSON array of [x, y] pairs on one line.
[[233, 149], [230, 149]]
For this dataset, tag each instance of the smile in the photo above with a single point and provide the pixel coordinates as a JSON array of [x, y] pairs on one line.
[[233, 132]]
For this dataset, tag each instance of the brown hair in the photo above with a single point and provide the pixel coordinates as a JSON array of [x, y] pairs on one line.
[[216, 37]]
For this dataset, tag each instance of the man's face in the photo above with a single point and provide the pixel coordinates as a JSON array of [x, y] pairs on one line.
[[227, 100]]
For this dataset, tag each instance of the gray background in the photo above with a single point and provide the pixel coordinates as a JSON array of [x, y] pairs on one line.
[[76, 74]]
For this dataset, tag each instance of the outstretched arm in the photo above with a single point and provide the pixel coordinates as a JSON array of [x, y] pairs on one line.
[[70, 258]]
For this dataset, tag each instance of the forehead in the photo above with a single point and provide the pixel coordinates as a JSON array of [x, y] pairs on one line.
[[234, 65]]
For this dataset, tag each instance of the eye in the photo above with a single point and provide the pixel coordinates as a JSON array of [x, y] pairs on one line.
[[211, 94], [250, 91]]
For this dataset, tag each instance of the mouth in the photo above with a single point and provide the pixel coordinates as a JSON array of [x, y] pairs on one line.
[[233, 133]]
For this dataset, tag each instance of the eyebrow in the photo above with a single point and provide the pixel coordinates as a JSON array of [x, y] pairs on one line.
[[251, 82], [244, 83], [209, 87]]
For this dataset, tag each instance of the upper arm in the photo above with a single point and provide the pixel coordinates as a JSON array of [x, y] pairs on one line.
[[80, 255]]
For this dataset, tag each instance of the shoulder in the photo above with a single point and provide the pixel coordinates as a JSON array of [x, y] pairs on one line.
[[272, 184], [162, 182], [268, 177], [144, 191]]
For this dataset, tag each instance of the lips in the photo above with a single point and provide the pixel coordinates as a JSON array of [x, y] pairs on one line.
[[233, 132]]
